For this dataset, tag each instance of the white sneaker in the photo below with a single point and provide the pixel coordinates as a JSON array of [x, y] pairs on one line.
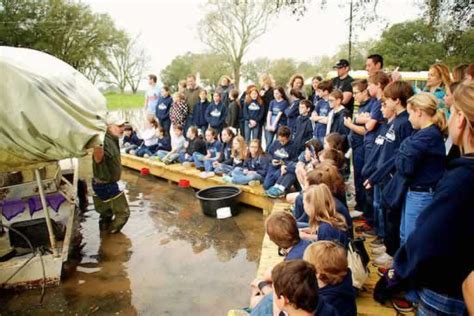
[[146, 156], [132, 152], [203, 175], [186, 164], [379, 251], [384, 260], [355, 214]]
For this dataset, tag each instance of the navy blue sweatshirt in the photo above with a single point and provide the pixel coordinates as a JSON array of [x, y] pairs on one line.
[[164, 144], [163, 107], [438, 254], [328, 232], [297, 251], [337, 126], [275, 108], [356, 140], [216, 114], [303, 132], [258, 164], [132, 139], [254, 111], [341, 296], [226, 151], [421, 157], [286, 153], [199, 113], [292, 112], [374, 108], [381, 161]]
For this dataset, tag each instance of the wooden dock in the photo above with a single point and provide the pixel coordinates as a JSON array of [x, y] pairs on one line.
[[366, 306], [254, 196]]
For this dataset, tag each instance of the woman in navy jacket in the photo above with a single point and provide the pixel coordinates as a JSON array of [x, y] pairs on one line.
[[421, 158], [216, 113], [435, 260], [253, 113]]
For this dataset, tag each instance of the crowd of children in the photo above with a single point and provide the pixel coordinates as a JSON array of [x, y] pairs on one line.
[[412, 179]]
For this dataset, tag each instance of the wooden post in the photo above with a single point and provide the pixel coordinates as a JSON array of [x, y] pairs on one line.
[[52, 238]]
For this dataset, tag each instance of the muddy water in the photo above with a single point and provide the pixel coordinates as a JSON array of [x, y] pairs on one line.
[[169, 260]]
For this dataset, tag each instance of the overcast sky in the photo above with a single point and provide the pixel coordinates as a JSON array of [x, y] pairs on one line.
[[168, 27]]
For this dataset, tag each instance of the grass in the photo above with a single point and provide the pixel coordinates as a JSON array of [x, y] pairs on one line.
[[125, 101]]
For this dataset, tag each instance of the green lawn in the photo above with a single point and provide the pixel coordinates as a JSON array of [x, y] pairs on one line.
[[116, 101]]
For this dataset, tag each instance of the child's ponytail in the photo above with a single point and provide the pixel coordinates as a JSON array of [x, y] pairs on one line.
[[439, 119]]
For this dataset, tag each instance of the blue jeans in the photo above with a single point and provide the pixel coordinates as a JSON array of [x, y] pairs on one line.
[[251, 133], [264, 307], [208, 167], [149, 150], [415, 202], [182, 158], [161, 153], [434, 304], [269, 136], [273, 173], [166, 124], [379, 213], [198, 160], [239, 177]]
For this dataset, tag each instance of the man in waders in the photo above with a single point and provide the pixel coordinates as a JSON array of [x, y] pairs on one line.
[[109, 201]]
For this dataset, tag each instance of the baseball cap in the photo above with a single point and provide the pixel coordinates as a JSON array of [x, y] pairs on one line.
[[342, 63], [115, 119]]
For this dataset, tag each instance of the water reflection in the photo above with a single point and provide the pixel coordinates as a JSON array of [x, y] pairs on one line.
[[169, 259]]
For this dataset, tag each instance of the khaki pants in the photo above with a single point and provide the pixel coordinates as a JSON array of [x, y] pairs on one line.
[[115, 210]]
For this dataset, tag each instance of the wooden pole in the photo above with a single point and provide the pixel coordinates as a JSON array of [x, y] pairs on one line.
[[52, 238]]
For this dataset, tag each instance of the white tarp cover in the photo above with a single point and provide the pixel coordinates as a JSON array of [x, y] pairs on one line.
[[49, 111]]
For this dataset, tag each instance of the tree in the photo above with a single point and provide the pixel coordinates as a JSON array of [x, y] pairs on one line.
[[282, 69], [231, 26], [65, 29], [252, 70], [211, 68], [178, 69], [411, 46], [138, 61]]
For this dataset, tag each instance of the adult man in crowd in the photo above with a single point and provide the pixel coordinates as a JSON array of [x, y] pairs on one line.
[[152, 94], [373, 64], [110, 202], [343, 83], [192, 97]]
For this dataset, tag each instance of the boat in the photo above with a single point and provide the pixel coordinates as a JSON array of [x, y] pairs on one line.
[[51, 116]]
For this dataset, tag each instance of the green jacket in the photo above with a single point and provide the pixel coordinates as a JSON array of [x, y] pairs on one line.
[[109, 169]]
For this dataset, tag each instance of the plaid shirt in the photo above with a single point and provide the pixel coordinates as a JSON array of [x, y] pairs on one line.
[[178, 113]]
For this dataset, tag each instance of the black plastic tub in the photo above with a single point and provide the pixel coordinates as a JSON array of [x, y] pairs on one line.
[[217, 199]]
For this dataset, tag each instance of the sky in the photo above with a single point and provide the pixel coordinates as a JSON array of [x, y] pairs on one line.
[[168, 28]]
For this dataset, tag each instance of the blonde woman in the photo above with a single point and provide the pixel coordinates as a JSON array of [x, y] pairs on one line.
[[438, 81], [435, 259], [296, 82], [325, 223]]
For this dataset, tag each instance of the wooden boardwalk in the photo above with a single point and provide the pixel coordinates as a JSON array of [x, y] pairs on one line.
[[254, 196], [366, 305]]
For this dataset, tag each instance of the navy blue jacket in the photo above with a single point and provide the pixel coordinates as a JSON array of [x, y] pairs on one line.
[[337, 126], [381, 161], [438, 254], [322, 108], [258, 164], [216, 114], [254, 111], [327, 232], [196, 145], [297, 251], [287, 153], [199, 113], [275, 108], [303, 132], [163, 107], [133, 139], [421, 157], [164, 144], [226, 151], [357, 140], [292, 112], [374, 108], [341, 296]]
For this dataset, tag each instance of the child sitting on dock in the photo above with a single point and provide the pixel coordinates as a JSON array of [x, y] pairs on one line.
[[324, 222], [224, 155], [130, 139], [164, 142], [237, 157], [177, 146], [194, 143], [213, 150], [148, 135], [254, 168], [334, 276]]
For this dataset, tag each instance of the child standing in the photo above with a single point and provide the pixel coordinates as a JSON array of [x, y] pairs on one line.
[[253, 114], [216, 113], [324, 222], [199, 112], [281, 172], [421, 158], [255, 166], [292, 111], [165, 102], [336, 117], [304, 127], [276, 114], [233, 113], [321, 110], [178, 112], [194, 143]]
